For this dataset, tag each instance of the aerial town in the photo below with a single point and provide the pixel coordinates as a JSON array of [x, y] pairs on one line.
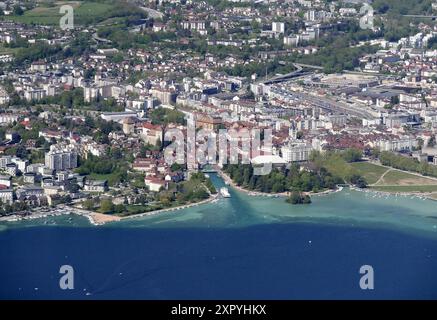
[[84, 111]]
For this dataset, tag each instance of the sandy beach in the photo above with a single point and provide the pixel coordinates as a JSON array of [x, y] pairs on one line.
[[100, 218]]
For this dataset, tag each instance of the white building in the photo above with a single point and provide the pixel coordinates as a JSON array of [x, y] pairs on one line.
[[7, 196], [6, 181], [7, 117], [296, 152], [34, 94], [291, 40], [278, 27], [403, 143], [61, 158], [20, 163]]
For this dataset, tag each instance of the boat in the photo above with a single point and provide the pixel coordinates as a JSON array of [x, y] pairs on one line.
[[225, 192]]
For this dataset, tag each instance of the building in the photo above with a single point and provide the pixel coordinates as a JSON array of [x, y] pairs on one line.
[[117, 116], [30, 191], [5, 160], [6, 181], [164, 95], [59, 158], [20, 163], [7, 117], [208, 122], [4, 98], [38, 66], [90, 93], [396, 144], [129, 125], [7, 196], [12, 169], [278, 27], [152, 134], [154, 184], [291, 40], [30, 178], [296, 152], [96, 186], [34, 94]]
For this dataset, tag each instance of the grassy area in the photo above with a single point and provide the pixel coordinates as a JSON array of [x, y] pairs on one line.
[[135, 209], [96, 176], [427, 188], [371, 172], [4, 50], [400, 178], [111, 178], [47, 14]]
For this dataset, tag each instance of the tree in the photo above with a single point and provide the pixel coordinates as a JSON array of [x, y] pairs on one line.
[[352, 155], [107, 207], [88, 204], [358, 181], [297, 198], [18, 11], [432, 142]]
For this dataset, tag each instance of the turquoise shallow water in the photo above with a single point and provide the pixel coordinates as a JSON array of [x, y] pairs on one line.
[[239, 248], [351, 208]]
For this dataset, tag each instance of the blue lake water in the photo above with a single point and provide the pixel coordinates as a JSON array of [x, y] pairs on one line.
[[239, 248]]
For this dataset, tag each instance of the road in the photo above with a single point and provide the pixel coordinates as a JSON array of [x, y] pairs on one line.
[[98, 39], [286, 77]]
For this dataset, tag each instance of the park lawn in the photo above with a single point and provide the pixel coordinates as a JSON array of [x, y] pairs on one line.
[[4, 50], [111, 21], [96, 176], [417, 188], [399, 178], [371, 172], [135, 209], [84, 12]]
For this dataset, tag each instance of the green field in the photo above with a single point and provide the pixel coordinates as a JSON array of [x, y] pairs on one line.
[[429, 188], [84, 12], [396, 177], [4, 50], [96, 176], [135, 209], [371, 172], [394, 180]]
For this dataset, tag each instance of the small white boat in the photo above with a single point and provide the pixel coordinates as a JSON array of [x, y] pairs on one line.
[[225, 192]]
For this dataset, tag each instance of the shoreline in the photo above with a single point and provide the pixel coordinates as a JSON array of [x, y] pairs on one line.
[[419, 195], [178, 208], [97, 218]]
